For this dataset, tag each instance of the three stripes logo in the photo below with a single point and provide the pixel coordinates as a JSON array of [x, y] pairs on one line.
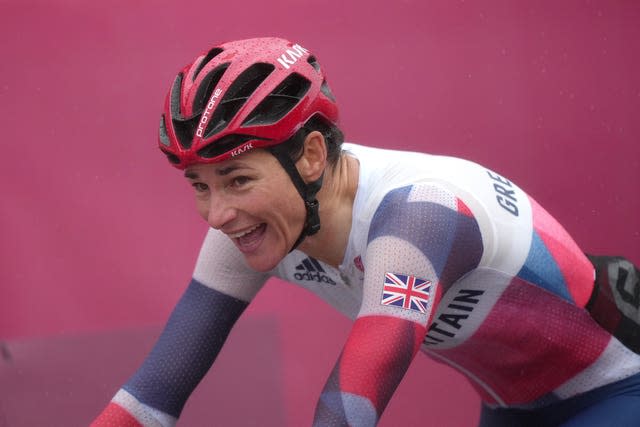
[[311, 270]]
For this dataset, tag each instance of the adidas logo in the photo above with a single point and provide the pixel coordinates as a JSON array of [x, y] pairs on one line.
[[310, 269]]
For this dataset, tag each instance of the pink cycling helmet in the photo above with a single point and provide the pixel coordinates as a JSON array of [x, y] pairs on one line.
[[242, 95]]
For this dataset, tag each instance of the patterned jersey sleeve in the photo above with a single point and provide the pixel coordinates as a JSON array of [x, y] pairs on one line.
[[221, 288], [422, 238]]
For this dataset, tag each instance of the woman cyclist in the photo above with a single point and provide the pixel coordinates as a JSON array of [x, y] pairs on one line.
[[425, 253]]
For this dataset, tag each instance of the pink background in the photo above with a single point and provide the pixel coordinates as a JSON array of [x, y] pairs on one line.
[[98, 235]]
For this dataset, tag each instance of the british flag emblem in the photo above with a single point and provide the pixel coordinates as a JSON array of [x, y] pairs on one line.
[[408, 292]]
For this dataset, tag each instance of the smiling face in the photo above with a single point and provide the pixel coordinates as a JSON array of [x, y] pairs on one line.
[[253, 201]]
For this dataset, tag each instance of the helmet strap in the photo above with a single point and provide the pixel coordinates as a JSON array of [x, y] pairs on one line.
[[307, 191]]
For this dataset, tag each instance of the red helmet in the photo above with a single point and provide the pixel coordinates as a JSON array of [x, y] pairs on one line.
[[242, 95]]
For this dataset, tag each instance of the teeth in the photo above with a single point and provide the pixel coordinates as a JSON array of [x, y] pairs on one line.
[[243, 233]]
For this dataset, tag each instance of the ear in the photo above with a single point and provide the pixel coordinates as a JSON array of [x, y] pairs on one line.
[[313, 161]]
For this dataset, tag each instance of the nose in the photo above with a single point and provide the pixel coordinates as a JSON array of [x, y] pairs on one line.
[[220, 213]]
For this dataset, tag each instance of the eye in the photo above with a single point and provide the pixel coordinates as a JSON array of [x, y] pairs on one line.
[[200, 187], [239, 181]]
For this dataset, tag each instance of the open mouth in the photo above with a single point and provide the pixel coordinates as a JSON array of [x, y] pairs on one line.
[[248, 240]]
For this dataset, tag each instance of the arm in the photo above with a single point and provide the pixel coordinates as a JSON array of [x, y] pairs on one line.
[[189, 344], [419, 232]]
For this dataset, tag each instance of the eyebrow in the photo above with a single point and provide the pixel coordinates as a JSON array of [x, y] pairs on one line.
[[227, 170], [221, 172]]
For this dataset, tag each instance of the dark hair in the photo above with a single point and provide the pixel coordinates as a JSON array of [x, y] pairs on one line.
[[333, 138]]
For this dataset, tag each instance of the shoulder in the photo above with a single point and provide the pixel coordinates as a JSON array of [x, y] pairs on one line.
[[418, 209], [221, 266]]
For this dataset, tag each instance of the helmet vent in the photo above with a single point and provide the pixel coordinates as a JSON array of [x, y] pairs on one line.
[[175, 96], [279, 102], [237, 95], [226, 144], [164, 138], [185, 129], [327, 91], [314, 63], [210, 55], [205, 89]]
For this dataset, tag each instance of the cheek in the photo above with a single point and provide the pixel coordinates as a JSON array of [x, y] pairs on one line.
[[292, 209], [203, 209]]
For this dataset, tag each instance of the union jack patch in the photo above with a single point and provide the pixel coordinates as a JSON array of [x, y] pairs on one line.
[[408, 292]]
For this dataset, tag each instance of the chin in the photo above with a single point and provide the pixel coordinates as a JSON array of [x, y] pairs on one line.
[[268, 255]]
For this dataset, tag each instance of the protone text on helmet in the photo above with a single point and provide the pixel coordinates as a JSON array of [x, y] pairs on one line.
[[207, 112]]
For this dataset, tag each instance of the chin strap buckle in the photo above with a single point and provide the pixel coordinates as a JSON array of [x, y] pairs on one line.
[[312, 225]]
